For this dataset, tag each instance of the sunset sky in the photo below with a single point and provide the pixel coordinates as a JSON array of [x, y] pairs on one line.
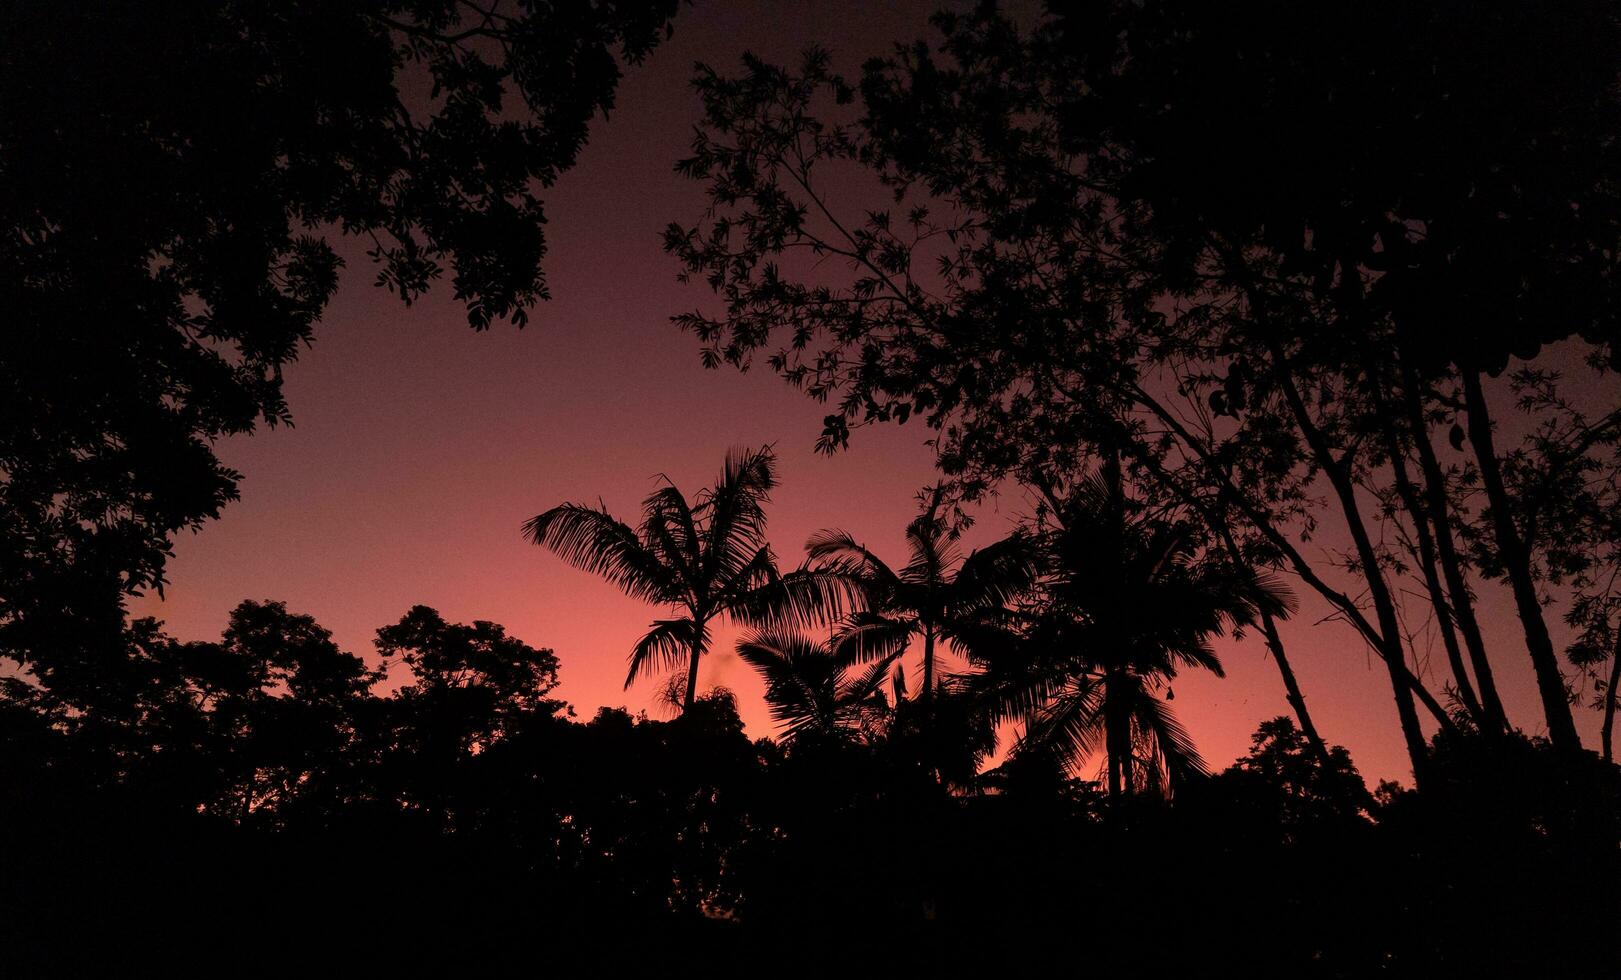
[[420, 447]]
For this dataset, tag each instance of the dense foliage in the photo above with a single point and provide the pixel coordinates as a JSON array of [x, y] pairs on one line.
[[1289, 263], [268, 785], [175, 180], [439, 801], [1230, 293]]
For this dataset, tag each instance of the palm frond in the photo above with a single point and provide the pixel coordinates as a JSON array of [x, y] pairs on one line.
[[1273, 595], [1155, 720], [981, 638], [1196, 652], [933, 552], [1167, 546], [871, 636], [871, 681], [993, 576], [802, 597], [1070, 728], [671, 533], [1022, 669], [801, 679], [734, 510], [595, 541], [742, 591], [667, 646], [834, 552]]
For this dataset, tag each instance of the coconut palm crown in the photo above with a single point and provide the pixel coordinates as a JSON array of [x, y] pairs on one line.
[[813, 690], [939, 596], [706, 559], [1130, 601]]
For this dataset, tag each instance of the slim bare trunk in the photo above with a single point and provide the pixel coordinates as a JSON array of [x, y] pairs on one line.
[[1274, 644], [1416, 511], [1117, 744], [1460, 603], [1232, 497], [1114, 782], [692, 668], [1517, 561], [1291, 688], [1389, 633], [928, 668], [1427, 562], [1609, 696]]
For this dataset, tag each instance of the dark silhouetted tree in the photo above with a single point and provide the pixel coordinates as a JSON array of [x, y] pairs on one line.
[[1285, 788], [281, 699], [502, 677], [176, 178], [938, 597], [814, 691], [1088, 249], [708, 558], [249, 727], [1131, 599], [438, 742]]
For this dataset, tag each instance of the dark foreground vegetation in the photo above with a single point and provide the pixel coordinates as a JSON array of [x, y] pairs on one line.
[[466, 821], [1247, 299], [268, 802]]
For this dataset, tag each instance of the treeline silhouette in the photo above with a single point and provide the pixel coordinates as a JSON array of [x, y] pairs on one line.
[[268, 800], [1329, 279], [1206, 282], [178, 178]]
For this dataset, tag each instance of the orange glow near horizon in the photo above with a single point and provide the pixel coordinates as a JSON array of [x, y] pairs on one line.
[[420, 447]]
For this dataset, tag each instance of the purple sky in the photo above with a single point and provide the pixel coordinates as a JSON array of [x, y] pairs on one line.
[[420, 446]]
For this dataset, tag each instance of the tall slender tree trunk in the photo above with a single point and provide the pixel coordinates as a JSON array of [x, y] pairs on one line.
[[1274, 644], [1517, 561], [1232, 497], [1393, 650], [1460, 603], [692, 668], [1386, 414], [928, 668], [1432, 581], [1116, 744], [1390, 639], [1114, 786], [930, 736], [1128, 768], [1291, 689], [1609, 697]]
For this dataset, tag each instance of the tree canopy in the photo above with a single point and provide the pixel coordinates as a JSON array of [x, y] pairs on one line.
[[177, 179], [1228, 296], [708, 559], [1268, 255]]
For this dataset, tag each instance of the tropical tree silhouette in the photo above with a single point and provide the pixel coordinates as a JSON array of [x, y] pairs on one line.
[[1326, 312], [218, 264], [939, 596], [814, 690], [1130, 600], [707, 559]]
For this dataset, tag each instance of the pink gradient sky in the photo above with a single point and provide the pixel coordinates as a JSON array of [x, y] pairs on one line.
[[420, 446]]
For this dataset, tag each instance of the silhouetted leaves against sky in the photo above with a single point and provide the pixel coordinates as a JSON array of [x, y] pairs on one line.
[[175, 178]]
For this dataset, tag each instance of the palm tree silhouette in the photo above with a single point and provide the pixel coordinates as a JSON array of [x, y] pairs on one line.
[[814, 690], [939, 596], [707, 559], [1130, 600]]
